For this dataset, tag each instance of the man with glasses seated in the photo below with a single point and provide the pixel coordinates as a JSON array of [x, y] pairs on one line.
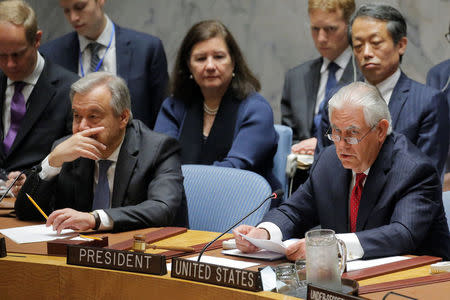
[[373, 187]]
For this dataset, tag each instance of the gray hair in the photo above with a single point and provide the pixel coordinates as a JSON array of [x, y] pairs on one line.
[[120, 95], [396, 24], [365, 95]]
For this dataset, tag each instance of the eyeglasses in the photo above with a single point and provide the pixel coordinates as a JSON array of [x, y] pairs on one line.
[[349, 140], [447, 36]]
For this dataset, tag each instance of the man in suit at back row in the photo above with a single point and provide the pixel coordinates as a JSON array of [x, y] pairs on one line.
[[378, 37], [306, 85], [373, 187], [99, 44], [124, 174], [34, 92]]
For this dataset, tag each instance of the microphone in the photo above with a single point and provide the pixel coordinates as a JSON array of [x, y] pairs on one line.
[[37, 169], [275, 195]]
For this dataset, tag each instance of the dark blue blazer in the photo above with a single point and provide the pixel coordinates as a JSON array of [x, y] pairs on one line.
[[255, 139], [400, 212], [141, 61], [439, 77], [421, 114], [48, 118]]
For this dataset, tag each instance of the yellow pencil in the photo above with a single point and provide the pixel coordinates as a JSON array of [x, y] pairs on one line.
[[90, 237], [37, 206]]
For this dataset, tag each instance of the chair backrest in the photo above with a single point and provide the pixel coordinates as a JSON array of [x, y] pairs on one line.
[[446, 201], [217, 197], [280, 158]]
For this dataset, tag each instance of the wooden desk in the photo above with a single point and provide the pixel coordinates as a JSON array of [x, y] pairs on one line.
[[49, 277]]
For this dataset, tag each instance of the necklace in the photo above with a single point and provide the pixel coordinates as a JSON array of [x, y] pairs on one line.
[[210, 111]]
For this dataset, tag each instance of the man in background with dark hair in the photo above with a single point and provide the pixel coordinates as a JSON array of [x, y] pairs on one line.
[[99, 44]]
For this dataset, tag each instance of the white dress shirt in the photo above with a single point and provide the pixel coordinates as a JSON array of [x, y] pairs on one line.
[[386, 87], [342, 61], [109, 61], [351, 241], [106, 223], [30, 81]]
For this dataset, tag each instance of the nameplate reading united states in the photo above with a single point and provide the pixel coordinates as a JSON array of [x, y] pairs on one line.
[[116, 260], [215, 274]]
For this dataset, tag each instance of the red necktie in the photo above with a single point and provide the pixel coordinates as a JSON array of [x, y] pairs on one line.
[[355, 198]]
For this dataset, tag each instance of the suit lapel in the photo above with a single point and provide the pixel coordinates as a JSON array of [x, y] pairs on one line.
[[126, 163], [43, 93], [341, 185], [124, 54], [347, 76], [73, 53], [375, 183], [3, 84], [84, 177], [312, 81], [398, 98]]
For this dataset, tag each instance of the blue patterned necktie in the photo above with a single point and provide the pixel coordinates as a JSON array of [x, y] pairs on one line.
[[101, 192], [331, 83], [94, 47], [18, 109]]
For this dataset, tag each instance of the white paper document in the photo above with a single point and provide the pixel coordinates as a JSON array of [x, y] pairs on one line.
[[35, 233], [363, 264], [261, 254], [271, 245]]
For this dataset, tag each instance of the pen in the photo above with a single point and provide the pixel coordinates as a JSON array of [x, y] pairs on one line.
[[45, 216], [37, 206]]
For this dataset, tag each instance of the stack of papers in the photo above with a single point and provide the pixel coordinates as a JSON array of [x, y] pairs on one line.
[[35, 233]]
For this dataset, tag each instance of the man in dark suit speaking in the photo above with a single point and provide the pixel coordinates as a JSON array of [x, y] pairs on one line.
[[124, 174], [99, 44], [34, 93], [373, 187]]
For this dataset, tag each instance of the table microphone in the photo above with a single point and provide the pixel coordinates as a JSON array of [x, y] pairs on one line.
[[37, 169], [277, 194]]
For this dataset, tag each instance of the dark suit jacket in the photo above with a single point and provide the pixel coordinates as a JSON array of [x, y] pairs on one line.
[[298, 101], [148, 184], [48, 118], [421, 114], [141, 61], [400, 212], [438, 77]]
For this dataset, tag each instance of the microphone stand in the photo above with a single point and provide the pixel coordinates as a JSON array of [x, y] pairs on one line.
[[277, 194], [35, 168]]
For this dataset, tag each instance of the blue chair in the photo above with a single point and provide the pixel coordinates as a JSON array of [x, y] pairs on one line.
[[280, 158], [446, 201], [217, 197]]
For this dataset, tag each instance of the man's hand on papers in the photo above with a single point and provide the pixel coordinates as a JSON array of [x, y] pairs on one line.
[[296, 250], [307, 146], [81, 144], [19, 183], [250, 231], [68, 218]]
